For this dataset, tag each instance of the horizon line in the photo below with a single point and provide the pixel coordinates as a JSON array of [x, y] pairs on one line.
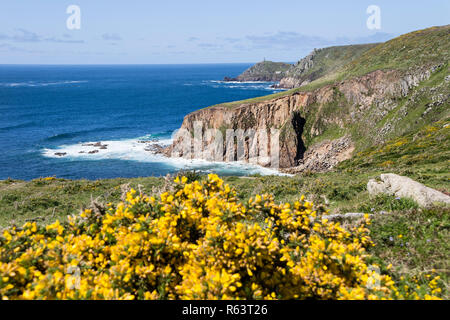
[[131, 64]]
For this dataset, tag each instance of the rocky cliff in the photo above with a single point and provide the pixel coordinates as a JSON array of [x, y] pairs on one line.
[[321, 62], [263, 71], [321, 125], [317, 64]]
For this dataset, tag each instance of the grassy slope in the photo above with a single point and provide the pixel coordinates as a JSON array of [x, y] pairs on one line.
[[422, 47], [44, 200], [265, 69], [408, 115], [330, 60]]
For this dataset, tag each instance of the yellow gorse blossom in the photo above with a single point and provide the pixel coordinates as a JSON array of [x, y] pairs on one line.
[[196, 242]]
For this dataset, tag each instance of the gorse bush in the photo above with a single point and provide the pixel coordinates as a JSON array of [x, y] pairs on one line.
[[195, 242]]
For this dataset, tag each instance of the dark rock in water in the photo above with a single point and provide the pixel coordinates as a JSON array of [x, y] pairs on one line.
[[230, 79], [100, 145], [60, 154], [97, 145], [82, 152], [148, 141], [155, 148], [93, 151]]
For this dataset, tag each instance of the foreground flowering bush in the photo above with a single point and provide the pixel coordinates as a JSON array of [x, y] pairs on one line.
[[195, 242]]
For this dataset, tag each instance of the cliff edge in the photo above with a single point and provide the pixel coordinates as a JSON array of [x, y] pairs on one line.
[[392, 89], [263, 71]]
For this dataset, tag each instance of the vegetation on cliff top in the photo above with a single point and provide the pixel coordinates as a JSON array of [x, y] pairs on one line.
[[263, 71], [322, 62], [314, 66], [425, 47]]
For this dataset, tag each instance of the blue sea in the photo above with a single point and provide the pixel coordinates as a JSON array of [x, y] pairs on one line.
[[62, 109]]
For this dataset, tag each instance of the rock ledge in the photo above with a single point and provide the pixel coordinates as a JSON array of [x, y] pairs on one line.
[[405, 187]]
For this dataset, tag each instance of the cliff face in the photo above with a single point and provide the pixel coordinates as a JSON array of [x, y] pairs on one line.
[[359, 105], [392, 89], [259, 116]]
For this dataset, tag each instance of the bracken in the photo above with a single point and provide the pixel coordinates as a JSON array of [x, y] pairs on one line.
[[197, 242]]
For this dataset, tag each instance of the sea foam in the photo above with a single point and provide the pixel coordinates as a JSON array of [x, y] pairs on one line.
[[39, 84], [137, 150], [244, 85]]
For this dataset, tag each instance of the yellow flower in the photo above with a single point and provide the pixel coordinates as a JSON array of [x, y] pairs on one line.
[[196, 241]]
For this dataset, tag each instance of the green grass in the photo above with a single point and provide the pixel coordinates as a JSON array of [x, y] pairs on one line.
[[423, 246], [45, 201], [233, 104], [416, 243], [423, 47], [265, 70], [329, 60], [426, 150], [341, 191]]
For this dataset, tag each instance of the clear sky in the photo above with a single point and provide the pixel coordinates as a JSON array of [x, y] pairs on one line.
[[199, 31]]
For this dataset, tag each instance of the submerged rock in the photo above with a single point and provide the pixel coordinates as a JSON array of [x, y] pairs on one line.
[[60, 154], [405, 187], [155, 148], [97, 145]]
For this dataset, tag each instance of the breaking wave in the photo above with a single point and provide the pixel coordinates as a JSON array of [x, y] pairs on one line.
[[39, 84], [142, 150]]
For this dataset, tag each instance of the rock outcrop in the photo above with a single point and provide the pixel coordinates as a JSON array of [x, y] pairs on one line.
[[263, 71], [324, 156], [382, 92], [302, 116], [315, 65], [321, 62], [404, 187]]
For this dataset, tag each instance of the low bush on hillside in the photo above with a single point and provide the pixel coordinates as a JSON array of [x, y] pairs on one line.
[[197, 241]]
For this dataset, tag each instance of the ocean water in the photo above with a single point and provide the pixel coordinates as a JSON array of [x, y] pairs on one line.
[[50, 109]]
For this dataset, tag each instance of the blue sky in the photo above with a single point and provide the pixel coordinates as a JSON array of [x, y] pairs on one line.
[[198, 31]]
